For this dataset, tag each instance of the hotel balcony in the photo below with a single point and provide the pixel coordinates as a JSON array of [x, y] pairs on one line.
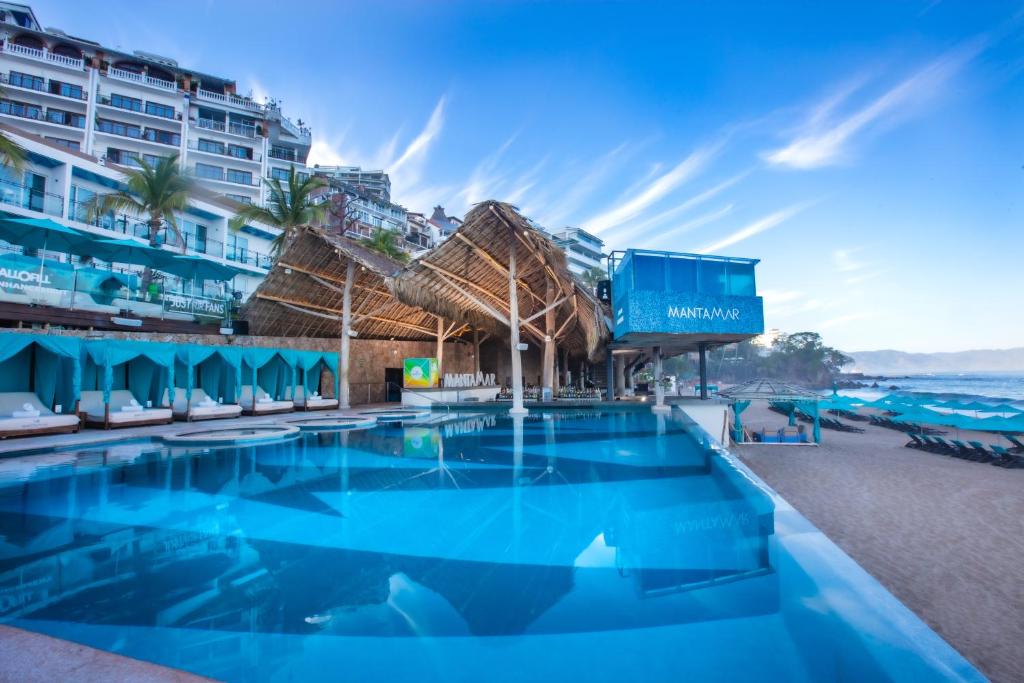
[[121, 130], [151, 111], [227, 128], [280, 154], [141, 79], [134, 227], [25, 197], [249, 257], [244, 154], [228, 176], [302, 133], [231, 100], [33, 113], [16, 82], [42, 55]]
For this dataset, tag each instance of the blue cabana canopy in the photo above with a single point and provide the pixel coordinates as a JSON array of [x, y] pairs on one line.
[[309, 364], [45, 364], [217, 370], [271, 369], [148, 371]]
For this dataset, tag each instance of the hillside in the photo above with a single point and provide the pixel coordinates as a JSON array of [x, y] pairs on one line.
[[889, 362]]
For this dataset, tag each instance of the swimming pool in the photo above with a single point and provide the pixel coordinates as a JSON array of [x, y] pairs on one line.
[[572, 545]]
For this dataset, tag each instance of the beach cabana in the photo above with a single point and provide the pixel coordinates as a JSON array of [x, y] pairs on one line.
[[209, 381], [309, 367], [39, 384], [779, 393], [124, 382], [267, 375]]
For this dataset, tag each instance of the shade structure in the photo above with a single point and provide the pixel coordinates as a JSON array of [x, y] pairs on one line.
[[132, 252], [144, 368], [308, 365], [1010, 425], [197, 268], [273, 370], [43, 233], [217, 370], [47, 365]]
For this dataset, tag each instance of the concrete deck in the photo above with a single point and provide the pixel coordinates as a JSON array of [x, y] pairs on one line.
[[945, 536], [34, 658]]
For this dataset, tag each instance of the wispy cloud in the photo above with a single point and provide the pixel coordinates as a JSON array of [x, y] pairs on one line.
[[843, 320], [598, 172], [861, 278], [845, 262], [663, 235], [776, 297], [658, 220], [417, 149], [825, 138], [660, 187], [757, 227]]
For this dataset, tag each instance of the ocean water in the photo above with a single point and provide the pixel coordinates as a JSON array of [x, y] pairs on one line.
[[991, 386], [570, 545]]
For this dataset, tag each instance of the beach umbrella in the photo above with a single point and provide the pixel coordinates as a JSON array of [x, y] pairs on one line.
[[198, 268], [45, 234], [131, 251], [1005, 408], [1001, 424]]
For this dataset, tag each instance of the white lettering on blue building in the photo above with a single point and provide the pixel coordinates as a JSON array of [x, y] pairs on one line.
[[702, 313]]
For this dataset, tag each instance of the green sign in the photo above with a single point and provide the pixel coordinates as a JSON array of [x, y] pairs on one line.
[[420, 373]]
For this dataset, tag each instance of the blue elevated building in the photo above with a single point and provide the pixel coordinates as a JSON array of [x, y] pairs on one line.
[[666, 303]]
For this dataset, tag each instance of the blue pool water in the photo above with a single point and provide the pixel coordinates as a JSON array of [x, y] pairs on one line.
[[611, 546]]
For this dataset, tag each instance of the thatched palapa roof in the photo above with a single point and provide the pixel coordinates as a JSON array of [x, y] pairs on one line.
[[463, 281]]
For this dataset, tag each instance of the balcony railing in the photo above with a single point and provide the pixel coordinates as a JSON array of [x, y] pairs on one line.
[[134, 227], [232, 100], [16, 194], [108, 101], [283, 154], [62, 118], [42, 55], [300, 132], [142, 79], [226, 177], [249, 257], [225, 152], [52, 87], [232, 128]]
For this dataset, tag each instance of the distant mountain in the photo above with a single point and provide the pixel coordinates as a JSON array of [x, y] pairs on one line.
[[890, 362]]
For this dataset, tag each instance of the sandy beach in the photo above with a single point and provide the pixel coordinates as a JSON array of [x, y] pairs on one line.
[[945, 536]]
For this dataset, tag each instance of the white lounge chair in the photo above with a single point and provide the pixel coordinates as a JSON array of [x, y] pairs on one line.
[[122, 411], [23, 414], [312, 402], [203, 407], [263, 405]]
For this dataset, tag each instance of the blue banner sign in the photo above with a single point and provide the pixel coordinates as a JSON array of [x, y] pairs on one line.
[[19, 273], [194, 305], [687, 313]]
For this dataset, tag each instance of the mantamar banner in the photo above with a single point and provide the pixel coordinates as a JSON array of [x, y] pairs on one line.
[[420, 373]]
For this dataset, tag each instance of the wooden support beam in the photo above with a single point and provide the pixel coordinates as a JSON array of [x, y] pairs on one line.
[[493, 262], [547, 308]]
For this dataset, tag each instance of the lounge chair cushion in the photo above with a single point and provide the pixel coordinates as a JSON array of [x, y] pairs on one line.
[[263, 406], [91, 403], [14, 402], [202, 406], [300, 400]]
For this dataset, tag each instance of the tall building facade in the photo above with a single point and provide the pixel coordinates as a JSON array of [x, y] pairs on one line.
[[125, 107], [375, 183], [583, 250]]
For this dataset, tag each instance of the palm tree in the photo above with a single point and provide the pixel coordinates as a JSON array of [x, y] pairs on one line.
[[385, 242], [591, 277], [154, 191], [287, 208]]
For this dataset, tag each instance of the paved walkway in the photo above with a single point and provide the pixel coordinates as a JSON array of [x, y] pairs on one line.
[[945, 536]]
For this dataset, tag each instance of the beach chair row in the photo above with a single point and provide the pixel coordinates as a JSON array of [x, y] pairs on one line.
[[889, 423], [975, 451]]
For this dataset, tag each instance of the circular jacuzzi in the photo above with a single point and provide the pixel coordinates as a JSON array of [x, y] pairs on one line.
[[233, 436], [385, 415], [333, 423]]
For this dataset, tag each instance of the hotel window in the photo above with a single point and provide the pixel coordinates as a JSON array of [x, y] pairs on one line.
[[65, 144], [240, 198], [21, 80], [195, 236], [152, 159], [239, 152], [211, 146], [237, 247], [236, 176], [26, 111], [741, 279], [713, 277], [65, 118], [209, 172], [123, 157], [157, 109], [162, 136], [118, 128], [279, 173], [66, 90], [682, 275], [649, 272], [124, 102]]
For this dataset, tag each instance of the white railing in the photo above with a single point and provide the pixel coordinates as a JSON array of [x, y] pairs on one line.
[[43, 55], [233, 100], [232, 128], [143, 79], [299, 132]]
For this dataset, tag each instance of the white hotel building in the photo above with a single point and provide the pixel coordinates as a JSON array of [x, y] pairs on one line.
[[84, 111]]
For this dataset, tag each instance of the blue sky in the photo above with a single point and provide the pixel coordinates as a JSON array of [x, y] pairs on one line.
[[871, 154]]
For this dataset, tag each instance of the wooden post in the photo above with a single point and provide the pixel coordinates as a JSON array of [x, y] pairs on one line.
[[548, 367], [476, 351], [346, 326], [513, 316], [440, 346]]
